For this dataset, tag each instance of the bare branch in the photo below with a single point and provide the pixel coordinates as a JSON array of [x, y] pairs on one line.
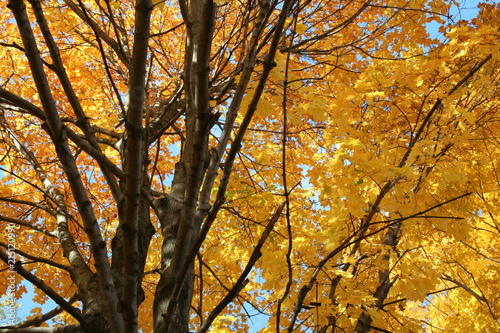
[[133, 166]]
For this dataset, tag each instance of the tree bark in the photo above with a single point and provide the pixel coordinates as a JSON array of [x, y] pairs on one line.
[[169, 210], [180, 221]]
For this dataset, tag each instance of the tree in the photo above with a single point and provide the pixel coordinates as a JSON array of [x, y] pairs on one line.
[[182, 166]]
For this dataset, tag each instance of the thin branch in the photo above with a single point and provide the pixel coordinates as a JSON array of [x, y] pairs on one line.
[[37, 259], [286, 193], [104, 162], [333, 30], [58, 136], [480, 298], [74, 312], [252, 107], [65, 329], [28, 225], [15, 46], [481, 254], [472, 71], [428, 294], [100, 34], [29, 203], [304, 290], [70, 93], [216, 277], [242, 280], [49, 315]]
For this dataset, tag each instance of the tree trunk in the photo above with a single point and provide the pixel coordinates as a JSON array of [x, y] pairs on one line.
[[169, 210]]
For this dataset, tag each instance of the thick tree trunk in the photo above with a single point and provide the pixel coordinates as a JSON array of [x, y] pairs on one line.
[[95, 324], [163, 296], [169, 210], [146, 232], [179, 216]]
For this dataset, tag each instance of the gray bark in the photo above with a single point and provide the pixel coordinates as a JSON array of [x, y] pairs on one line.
[[133, 166], [179, 219], [169, 210]]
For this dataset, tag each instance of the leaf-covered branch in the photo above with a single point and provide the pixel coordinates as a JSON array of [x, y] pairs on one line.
[[38, 283], [65, 155]]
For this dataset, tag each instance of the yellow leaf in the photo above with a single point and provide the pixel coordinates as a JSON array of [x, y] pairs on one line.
[[301, 28], [160, 4]]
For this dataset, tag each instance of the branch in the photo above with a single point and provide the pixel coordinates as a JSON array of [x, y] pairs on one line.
[[428, 294], [133, 165], [22, 103], [66, 240], [247, 71], [83, 120], [331, 31], [242, 280], [439, 104], [421, 213], [29, 203], [221, 283], [58, 135], [104, 56], [286, 193], [37, 259], [472, 71], [15, 46], [391, 238], [169, 113], [98, 31], [480, 298], [346, 243], [481, 254], [49, 315], [104, 162], [252, 107], [28, 224], [74, 312]]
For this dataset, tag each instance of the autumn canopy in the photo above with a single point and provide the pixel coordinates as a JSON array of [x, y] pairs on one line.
[[243, 166]]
